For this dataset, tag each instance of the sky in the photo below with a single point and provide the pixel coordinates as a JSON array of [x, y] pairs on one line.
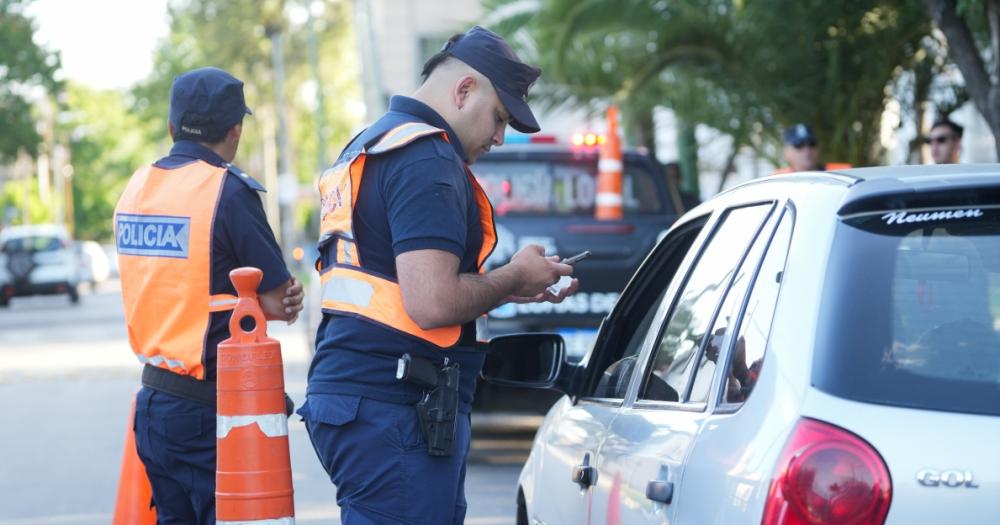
[[105, 44]]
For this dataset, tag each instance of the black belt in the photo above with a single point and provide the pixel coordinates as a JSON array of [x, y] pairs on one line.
[[186, 387]]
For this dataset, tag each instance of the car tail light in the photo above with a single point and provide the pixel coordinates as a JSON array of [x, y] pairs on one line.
[[828, 475]]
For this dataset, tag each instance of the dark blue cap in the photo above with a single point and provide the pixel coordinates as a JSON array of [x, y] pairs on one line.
[[205, 103], [799, 134], [491, 55]]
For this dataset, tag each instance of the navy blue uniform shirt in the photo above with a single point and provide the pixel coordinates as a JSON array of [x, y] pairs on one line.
[[413, 198], [241, 236]]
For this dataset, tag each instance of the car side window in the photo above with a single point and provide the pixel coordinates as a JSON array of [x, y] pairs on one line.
[[747, 356], [615, 357], [716, 339], [680, 341]]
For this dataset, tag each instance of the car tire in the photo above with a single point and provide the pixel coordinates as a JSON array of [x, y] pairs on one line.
[[4, 301], [74, 295], [522, 509]]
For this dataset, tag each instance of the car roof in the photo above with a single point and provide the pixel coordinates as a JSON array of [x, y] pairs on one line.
[[521, 148], [882, 185], [915, 173]]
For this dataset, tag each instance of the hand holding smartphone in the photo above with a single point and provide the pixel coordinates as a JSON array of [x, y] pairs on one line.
[[565, 280], [578, 257]]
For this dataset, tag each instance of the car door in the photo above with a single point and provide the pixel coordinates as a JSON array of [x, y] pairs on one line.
[[557, 483], [641, 460]]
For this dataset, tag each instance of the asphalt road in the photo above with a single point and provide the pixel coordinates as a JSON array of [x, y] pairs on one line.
[[67, 377]]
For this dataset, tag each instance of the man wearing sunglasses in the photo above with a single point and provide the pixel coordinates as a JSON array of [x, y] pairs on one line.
[[945, 140], [802, 151]]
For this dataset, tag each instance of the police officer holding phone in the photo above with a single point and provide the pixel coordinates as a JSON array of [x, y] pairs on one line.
[[405, 230], [181, 225]]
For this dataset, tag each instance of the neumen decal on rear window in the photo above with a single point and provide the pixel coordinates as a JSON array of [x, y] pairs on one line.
[[152, 235], [903, 217]]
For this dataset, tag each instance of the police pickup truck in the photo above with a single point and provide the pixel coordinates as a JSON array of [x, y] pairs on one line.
[[543, 192]]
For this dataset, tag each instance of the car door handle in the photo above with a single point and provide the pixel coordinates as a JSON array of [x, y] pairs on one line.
[[661, 489], [584, 474]]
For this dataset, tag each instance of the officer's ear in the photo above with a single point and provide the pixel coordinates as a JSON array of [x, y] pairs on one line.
[[236, 131], [463, 90]]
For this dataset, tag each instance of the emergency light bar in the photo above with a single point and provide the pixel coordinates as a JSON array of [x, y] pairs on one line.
[[522, 138]]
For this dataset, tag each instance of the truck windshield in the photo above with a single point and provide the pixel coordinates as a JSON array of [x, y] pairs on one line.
[[560, 187]]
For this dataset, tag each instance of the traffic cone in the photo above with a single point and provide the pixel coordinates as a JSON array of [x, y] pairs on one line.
[[253, 478], [133, 504], [609, 173]]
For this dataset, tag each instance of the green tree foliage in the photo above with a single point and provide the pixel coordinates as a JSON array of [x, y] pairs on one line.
[[235, 35], [972, 28], [107, 142], [829, 64], [747, 68], [25, 69]]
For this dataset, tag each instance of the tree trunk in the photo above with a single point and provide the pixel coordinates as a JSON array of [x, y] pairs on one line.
[[963, 51], [730, 164], [687, 148]]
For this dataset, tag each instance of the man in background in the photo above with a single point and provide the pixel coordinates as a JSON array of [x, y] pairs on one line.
[[802, 151], [945, 140]]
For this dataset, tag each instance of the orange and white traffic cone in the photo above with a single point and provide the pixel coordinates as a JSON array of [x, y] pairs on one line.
[[253, 479], [609, 174], [133, 504]]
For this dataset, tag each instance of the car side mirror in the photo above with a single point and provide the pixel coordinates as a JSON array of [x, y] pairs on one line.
[[525, 360]]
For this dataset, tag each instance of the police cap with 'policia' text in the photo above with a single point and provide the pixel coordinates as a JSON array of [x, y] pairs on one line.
[[491, 55], [205, 103]]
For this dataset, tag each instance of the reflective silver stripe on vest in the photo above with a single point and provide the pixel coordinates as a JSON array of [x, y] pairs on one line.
[[223, 302], [158, 360], [276, 521], [272, 425], [390, 140], [347, 290], [347, 252]]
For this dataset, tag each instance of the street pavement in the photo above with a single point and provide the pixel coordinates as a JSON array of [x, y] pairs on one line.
[[67, 377]]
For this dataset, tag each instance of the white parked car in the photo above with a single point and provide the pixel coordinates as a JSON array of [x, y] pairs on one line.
[[96, 268], [38, 260], [817, 348]]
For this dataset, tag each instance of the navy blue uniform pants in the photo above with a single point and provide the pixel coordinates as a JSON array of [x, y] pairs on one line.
[[377, 458], [175, 439]]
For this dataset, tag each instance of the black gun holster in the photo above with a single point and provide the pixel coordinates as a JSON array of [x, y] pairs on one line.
[[437, 409]]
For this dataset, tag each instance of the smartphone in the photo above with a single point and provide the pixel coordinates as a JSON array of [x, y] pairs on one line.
[[578, 257]]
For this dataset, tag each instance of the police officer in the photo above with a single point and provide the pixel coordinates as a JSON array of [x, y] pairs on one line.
[[182, 224], [801, 151], [405, 229]]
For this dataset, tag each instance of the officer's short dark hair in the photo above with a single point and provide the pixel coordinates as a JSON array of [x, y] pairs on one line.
[[955, 128], [439, 58]]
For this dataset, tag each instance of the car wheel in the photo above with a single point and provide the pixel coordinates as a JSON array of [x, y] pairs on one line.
[[4, 301], [74, 295], [522, 509]]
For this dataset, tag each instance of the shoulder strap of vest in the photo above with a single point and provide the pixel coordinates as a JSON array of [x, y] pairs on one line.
[[246, 179], [402, 135]]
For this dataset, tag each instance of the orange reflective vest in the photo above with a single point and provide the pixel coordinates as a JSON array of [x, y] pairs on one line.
[[347, 287], [163, 230]]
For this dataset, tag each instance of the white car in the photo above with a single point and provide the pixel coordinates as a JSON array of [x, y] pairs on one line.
[[38, 260], [818, 348], [96, 267]]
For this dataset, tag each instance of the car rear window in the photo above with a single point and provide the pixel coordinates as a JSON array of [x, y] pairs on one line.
[[39, 243], [561, 187], [911, 310]]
